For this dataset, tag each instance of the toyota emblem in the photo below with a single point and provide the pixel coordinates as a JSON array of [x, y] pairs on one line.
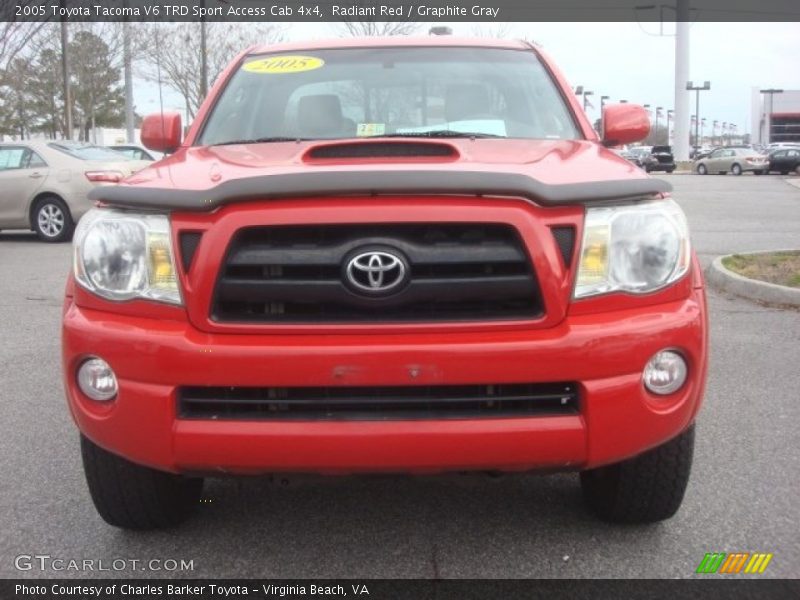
[[376, 272]]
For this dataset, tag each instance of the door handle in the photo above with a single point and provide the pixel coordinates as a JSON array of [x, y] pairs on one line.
[[36, 175]]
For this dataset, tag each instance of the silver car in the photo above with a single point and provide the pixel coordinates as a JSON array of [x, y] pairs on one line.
[[44, 183], [733, 160]]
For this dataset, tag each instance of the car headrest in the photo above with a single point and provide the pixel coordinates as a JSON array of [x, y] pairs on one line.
[[319, 115], [465, 101]]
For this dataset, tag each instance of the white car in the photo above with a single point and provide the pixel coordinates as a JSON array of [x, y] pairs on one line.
[[44, 183]]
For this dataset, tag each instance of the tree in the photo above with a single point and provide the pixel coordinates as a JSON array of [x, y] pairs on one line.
[[497, 30], [179, 59], [14, 37], [46, 86], [16, 116], [377, 28], [657, 137], [17, 39], [98, 96]]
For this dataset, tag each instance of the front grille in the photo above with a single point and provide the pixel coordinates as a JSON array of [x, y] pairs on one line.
[[378, 403], [453, 272]]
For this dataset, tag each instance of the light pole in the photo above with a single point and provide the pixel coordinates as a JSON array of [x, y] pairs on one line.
[[658, 114], [670, 112], [771, 92], [203, 57], [697, 89], [585, 100], [702, 131], [724, 127]]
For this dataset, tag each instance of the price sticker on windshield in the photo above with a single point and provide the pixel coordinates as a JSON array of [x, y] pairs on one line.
[[283, 64]]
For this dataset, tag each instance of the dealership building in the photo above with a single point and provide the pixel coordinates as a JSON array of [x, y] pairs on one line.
[[775, 117]]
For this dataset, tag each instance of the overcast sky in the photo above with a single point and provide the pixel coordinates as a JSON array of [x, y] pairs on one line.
[[632, 61]]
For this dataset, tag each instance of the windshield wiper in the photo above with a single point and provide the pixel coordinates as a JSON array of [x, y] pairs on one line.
[[263, 140], [442, 133]]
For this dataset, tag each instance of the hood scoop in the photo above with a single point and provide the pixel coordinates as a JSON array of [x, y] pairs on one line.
[[402, 150]]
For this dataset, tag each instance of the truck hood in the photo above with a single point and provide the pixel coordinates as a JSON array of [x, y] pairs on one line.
[[544, 171]]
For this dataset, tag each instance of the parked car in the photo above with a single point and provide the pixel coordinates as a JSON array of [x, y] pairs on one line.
[[735, 160], [785, 161], [44, 184], [781, 146], [461, 276], [643, 156], [664, 159], [699, 152], [629, 156], [133, 151]]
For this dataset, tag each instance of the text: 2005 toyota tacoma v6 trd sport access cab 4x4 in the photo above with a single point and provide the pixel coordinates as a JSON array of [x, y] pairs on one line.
[[386, 255]]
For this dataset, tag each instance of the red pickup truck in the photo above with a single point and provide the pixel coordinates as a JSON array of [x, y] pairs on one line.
[[386, 255]]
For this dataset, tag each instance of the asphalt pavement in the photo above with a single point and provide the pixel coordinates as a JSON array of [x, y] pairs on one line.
[[743, 495]]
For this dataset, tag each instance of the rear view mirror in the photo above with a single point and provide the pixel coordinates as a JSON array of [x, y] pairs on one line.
[[162, 132], [624, 123]]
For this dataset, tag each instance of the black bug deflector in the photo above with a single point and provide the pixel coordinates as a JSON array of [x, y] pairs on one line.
[[371, 182]]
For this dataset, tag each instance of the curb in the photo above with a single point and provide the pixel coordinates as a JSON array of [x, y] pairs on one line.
[[759, 291]]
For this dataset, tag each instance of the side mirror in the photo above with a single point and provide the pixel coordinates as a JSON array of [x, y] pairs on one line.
[[624, 123], [162, 132]]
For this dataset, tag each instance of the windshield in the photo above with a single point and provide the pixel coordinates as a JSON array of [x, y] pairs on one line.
[[374, 92], [89, 152]]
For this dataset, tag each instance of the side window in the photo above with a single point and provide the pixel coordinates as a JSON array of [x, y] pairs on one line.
[[11, 158], [794, 153], [715, 154], [33, 160]]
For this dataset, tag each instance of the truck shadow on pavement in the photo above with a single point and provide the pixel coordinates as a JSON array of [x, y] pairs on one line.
[[470, 525]]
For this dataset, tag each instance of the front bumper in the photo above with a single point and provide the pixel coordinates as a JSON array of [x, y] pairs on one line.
[[605, 352]]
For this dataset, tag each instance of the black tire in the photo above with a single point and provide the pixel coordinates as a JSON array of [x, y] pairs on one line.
[[736, 169], [701, 170], [134, 497], [784, 172], [758, 172], [644, 489], [51, 220], [670, 170]]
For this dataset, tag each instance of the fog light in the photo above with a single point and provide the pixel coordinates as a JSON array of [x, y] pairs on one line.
[[97, 380], [665, 373]]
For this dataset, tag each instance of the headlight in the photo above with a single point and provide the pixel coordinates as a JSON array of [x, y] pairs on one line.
[[122, 256], [636, 248]]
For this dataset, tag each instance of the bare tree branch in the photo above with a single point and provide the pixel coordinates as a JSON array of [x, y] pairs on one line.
[[376, 28], [180, 53], [496, 30]]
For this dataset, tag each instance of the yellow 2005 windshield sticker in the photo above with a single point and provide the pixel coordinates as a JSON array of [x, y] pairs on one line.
[[283, 64]]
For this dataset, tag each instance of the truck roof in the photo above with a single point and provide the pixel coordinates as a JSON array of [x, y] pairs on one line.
[[432, 41]]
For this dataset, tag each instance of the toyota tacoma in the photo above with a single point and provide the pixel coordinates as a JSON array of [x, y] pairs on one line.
[[386, 255]]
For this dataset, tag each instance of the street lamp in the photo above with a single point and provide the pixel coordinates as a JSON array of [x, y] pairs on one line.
[[771, 92], [670, 112], [578, 90], [697, 89], [585, 101], [702, 130], [623, 101], [658, 114]]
